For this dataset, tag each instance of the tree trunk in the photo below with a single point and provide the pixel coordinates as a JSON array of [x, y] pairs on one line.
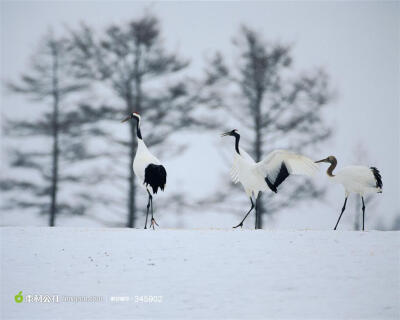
[[133, 144], [55, 151], [132, 152], [258, 154], [131, 179]]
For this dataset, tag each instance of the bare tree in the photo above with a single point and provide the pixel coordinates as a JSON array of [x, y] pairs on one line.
[[51, 84], [274, 107], [130, 60]]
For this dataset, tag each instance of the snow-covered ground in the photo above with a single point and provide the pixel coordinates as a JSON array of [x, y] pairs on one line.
[[200, 273]]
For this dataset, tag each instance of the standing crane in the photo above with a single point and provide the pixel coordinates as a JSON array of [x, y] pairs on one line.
[[268, 173], [148, 169], [355, 179]]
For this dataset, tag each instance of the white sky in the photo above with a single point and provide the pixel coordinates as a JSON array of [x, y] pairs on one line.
[[356, 42]]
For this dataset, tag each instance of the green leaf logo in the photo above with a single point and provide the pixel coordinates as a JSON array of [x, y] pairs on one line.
[[19, 298]]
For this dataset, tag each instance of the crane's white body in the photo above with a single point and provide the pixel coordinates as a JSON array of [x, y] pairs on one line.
[[356, 179], [148, 169], [143, 158], [252, 175]]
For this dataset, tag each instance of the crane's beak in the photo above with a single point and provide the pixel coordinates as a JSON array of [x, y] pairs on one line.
[[226, 134], [127, 118], [323, 160]]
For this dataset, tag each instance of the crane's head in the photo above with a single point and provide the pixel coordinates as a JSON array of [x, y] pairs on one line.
[[133, 115], [330, 159], [232, 133]]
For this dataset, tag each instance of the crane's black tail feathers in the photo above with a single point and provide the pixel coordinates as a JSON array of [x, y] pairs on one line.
[[282, 175], [378, 178], [155, 176]]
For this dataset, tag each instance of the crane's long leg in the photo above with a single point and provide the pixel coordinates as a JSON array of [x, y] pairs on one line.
[[257, 217], [255, 212], [148, 207], [344, 207], [363, 209], [252, 207], [153, 221]]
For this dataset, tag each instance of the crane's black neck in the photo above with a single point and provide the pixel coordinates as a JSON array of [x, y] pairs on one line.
[[138, 132], [237, 138]]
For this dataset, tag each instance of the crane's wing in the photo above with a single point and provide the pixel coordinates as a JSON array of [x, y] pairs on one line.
[[234, 174], [279, 164], [235, 167], [365, 176]]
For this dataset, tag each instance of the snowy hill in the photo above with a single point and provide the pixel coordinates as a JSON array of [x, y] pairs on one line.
[[200, 273]]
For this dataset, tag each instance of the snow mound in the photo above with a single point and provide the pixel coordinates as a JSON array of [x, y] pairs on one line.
[[199, 273]]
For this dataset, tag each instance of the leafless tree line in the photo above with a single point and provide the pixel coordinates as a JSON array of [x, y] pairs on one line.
[[275, 107]]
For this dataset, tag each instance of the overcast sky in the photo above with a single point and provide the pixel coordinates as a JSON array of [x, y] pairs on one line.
[[357, 43]]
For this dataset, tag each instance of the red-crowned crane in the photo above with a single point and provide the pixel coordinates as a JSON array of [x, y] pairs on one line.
[[355, 179], [148, 169], [268, 173]]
